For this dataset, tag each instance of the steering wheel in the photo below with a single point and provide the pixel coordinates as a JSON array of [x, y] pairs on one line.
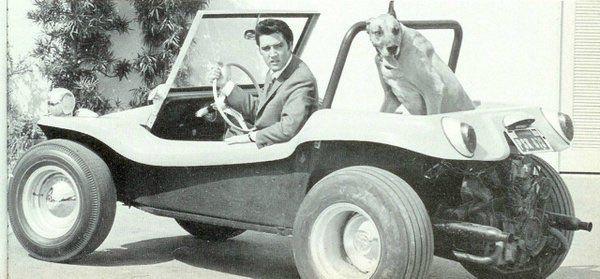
[[225, 110]]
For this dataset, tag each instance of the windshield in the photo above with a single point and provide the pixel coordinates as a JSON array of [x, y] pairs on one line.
[[228, 39]]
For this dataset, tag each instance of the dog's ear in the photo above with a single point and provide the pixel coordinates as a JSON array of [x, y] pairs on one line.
[[368, 25], [391, 10]]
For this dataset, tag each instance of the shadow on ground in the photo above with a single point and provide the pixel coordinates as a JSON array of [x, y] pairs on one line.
[[263, 258], [254, 255]]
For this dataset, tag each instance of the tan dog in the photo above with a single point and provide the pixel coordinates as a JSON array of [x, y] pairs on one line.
[[414, 78]]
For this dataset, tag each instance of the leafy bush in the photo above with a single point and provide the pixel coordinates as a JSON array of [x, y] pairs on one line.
[[75, 48], [23, 132], [164, 26]]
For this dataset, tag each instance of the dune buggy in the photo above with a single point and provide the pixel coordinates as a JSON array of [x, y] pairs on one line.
[[364, 194]]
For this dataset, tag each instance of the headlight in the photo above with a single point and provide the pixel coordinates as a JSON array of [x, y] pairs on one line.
[[460, 135], [566, 125], [61, 102], [561, 123]]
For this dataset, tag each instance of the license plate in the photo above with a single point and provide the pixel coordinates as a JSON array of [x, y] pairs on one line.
[[529, 140]]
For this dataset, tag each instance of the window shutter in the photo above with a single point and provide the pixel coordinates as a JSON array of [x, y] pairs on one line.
[[586, 75]]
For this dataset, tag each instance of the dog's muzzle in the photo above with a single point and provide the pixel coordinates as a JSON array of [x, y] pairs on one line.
[[392, 50]]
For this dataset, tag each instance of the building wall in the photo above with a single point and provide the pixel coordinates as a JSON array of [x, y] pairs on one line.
[[581, 84]]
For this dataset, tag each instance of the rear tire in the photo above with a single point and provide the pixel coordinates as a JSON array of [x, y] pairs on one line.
[[61, 201], [209, 232], [545, 262], [362, 222]]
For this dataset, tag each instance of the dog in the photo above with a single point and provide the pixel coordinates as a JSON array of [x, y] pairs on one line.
[[414, 78]]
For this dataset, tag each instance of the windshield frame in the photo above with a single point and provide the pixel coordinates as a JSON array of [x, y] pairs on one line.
[[311, 19]]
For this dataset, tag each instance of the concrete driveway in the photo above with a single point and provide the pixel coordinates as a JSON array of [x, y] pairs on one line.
[[141, 245]]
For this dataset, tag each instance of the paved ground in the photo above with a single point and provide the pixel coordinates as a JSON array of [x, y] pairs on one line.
[[144, 246]]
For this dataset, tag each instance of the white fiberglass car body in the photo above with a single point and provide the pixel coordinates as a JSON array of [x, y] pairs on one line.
[[125, 133]]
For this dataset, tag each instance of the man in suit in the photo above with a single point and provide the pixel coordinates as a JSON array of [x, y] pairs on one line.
[[288, 98]]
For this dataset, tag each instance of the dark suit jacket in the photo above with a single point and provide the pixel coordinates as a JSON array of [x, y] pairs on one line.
[[279, 113]]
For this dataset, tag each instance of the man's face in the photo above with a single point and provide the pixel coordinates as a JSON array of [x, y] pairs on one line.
[[274, 50]]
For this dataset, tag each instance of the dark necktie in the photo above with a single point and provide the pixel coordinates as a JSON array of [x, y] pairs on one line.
[[268, 86]]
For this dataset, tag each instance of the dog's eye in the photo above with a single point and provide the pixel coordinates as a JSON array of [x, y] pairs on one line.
[[377, 33], [395, 31]]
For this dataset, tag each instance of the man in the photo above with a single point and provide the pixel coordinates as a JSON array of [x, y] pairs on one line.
[[288, 98]]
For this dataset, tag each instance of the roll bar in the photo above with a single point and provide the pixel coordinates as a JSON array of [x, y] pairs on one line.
[[414, 24]]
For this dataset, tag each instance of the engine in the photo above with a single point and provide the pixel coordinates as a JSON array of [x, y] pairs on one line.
[[504, 214]]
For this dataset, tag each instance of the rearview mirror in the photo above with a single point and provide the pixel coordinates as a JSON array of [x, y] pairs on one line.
[[249, 34]]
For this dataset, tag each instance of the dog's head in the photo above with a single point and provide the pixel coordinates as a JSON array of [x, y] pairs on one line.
[[385, 32]]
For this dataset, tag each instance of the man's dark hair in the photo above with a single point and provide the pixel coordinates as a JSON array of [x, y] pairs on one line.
[[271, 26]]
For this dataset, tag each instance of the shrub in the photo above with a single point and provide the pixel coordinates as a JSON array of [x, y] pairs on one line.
[[75, 48], [164, 26]]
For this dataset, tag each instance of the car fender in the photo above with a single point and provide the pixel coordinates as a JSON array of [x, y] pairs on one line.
[[424, 133], [421, 134], [417, 133]]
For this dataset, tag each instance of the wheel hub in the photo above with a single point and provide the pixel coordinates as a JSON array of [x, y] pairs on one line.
[[361, 242], [345, 242], [50, 203], [60, 199]]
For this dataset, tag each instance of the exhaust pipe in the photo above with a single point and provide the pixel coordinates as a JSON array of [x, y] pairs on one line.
[[494, 258], [565, 222], [475, 230], [482, 232]]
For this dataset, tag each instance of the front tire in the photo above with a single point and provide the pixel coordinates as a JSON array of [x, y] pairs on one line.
[[61, 201], [362, 222]]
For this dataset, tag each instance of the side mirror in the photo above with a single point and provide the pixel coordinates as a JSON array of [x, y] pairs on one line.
[[249, 34]]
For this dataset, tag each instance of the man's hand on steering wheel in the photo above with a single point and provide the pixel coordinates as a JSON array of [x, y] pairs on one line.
[[219, 72], [219, 75], [222, 74]]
